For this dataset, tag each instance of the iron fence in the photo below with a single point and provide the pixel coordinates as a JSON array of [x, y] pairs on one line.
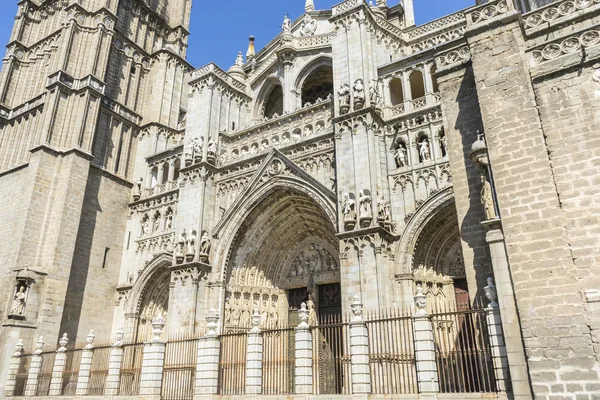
[[71, 372], [392, 355], [99, 371], [331, 356], [179, 373], [232, 363], [278, 361], [463, 353], [45, 375], [22, 374], [131, 369]]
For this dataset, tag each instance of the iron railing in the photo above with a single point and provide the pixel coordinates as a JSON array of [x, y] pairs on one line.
[[131, 369], [392, 354], [99, 370], [331, 356], [179, 373], [278, 361], [22, 374], [463, 354], [45, 375], [232, 363], [71, 372]]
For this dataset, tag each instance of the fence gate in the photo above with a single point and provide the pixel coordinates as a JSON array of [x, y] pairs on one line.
[[179, 373]]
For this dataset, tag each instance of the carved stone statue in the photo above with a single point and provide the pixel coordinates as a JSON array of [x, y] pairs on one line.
[[137, 189], [383, 209], [374, 95], [359, 94], [344, 94], [401, 156], [443, 144], [286, 27], [349, 208], [424, 150], [420, 301], [365, 204], [487, 198], [205, 244], [191, 246], [312, 312], [18, 306], [212, 149], [145, 226], [169, 221]]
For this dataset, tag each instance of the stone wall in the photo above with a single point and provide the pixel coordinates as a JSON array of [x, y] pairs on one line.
[[91, 290]]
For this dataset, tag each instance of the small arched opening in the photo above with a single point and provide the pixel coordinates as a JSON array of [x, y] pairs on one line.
[[417, 84], [273, 105], [434, 80], [396, 91], [318, 85]]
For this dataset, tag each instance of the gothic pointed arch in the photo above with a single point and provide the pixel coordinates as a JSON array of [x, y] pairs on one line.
[[315, 80], [269, 102]]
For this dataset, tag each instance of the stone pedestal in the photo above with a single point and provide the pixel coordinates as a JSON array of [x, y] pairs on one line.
[[359, 351], [152, 369], [59, 366], [255, 358], [13, 370], [114, 370], [304, 383], [498, 348], [427, 374], [83, 380], [207, 370], [32, 378]]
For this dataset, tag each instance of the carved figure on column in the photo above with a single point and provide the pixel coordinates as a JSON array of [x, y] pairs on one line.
[[180, 248], [18, 306], [420, 301], [211, 155], [313, 320], [204, 247], [145, 225], [359, 94], [366, 215], [137, 189], [424, 150], [443, 144], [374, 95], [344, 95], [401, 156], [286, 27], [349, 211], [487, 198], [191, 247], [383, 210]]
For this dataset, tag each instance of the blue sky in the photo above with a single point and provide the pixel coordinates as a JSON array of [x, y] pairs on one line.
[[221, 28]]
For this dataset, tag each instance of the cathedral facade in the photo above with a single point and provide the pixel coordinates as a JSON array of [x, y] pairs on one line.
[[356, 157]]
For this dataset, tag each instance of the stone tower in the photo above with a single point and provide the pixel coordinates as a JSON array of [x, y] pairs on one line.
[[75, 120]]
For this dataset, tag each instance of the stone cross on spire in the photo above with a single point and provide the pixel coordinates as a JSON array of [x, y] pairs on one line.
[[309, 6]]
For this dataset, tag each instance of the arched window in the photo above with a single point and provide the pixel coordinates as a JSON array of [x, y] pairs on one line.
[[396, 91], [274, 102], [434, 81], [318, 85], [417, 85]]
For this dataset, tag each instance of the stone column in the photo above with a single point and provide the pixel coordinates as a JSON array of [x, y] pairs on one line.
[[83, 380], [207, 369], [359, 350], [496, 336], [13, 370], [34, 369], [59, 366], [304, 383], [427, 374], [153, 361], [114, 365], [255, 357]]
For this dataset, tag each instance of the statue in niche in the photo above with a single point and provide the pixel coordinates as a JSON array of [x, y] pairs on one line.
[[348, 207], [383, 209], [211, 150], [137, 189], [487, 198], [274, 316], [145, 225], [344, 94], [365, 204], [180, 248], [227, 312], [205, 243], [198, 146], [245, 317], [264, 315], [191, 246], [359, 94], [443, 145], [169, 220], [191, 152], [156, 223], [374, 95], [424, 150], [286, 27], [401, 156], [18, 305]]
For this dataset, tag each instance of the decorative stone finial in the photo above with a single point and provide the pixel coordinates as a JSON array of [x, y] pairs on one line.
[[64, 340], [90, 340], [239, 61], [158, 324], [19, 348], [119, 336], [309, 6], [255, 321], [212, 319], [39, 345], [420, 301], [251, 51], [303, 315], [491, 293], [357, 309]]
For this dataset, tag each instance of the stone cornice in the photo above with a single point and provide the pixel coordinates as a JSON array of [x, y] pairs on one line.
[[212, 70]]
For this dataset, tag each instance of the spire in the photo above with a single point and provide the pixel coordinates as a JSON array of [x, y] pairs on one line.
[[310, 6], [251, 52]]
